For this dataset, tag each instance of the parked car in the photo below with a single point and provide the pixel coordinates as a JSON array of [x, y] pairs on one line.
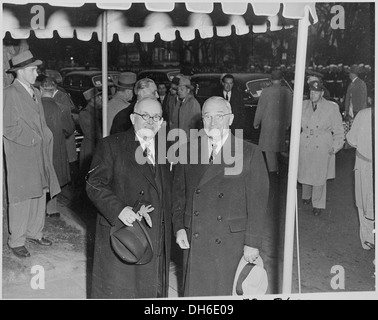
[[159, 75], [66, 70], [77, 82], [250, 85]]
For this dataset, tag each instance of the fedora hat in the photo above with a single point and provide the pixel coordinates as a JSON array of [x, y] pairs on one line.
[[132, 245], [126, 80], [23, 60], [250, 278], [184, 81]]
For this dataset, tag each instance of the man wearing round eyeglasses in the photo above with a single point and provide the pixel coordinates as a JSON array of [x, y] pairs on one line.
[[218, 213], [116, 182]]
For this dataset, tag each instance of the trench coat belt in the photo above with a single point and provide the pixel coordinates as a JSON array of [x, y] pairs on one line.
[[312, 132], [360, 156]]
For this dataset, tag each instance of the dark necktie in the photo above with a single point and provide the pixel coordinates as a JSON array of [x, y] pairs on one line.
[[148, 155], [314, 107], [33, 94], [213, 153]]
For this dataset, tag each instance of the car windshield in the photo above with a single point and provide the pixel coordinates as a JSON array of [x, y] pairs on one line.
[[97, 80], [172, 74], [207, 87], [255, 87]]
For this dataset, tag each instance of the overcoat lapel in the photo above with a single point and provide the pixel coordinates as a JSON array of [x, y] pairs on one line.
[[24, 95], [210, 171], [144, 169]]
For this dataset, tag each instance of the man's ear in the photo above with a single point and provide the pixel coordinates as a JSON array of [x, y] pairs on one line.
[[231, 119]]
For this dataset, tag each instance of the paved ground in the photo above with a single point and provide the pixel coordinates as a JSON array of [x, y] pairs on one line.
[[326, 241]]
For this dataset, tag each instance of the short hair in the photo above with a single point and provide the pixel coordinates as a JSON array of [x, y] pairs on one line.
[[142, 84], [228, 76], [219, 99]]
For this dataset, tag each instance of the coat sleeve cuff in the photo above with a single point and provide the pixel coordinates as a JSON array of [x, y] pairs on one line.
[[253, 241]]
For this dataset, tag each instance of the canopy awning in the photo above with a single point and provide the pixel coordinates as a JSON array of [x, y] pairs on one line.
[[148, 19]]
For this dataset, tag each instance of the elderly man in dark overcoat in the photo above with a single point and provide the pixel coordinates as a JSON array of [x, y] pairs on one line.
[[116, 181], [219, 204], [28, 147]]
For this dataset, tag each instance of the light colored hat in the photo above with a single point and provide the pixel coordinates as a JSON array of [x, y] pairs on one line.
[[23, 60], [250, 278], [126, 80], [90, 93]]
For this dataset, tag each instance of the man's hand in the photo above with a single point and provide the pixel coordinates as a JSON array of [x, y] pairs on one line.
[[251, 254], [128, 216], [182, 239]]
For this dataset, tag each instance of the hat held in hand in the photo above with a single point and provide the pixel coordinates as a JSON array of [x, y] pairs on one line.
[[132, 245], [250, 278]]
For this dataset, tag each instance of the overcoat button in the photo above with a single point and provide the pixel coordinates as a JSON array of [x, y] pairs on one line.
[[198, 191], [219, 218], [196, 213], [196, 235], [221, 195], [218, 241]]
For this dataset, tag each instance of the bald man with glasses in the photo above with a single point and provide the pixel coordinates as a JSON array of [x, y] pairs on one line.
[[126, 169]]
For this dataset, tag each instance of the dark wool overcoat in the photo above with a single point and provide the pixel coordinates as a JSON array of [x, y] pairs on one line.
[[116, 180], [222, 208], [61, 126]]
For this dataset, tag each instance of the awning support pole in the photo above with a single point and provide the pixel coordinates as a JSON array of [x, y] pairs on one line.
[[104, 73], [300, 68]]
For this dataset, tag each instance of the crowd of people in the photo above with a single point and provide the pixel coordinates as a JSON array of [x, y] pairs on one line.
[[215, 211]]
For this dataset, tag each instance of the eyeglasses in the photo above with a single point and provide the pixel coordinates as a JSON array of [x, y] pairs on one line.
[[147, 117], [217, 117]]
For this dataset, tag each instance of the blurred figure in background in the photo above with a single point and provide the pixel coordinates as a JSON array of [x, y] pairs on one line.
[[360, 137], [66, 105], [90, 120], [235, 98], [274, 116], [62, 126], [121, 100], [186, 114], [356, 96], [144, 88]]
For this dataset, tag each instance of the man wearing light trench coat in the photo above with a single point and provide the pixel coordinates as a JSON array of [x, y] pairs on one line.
[[321, 138]]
